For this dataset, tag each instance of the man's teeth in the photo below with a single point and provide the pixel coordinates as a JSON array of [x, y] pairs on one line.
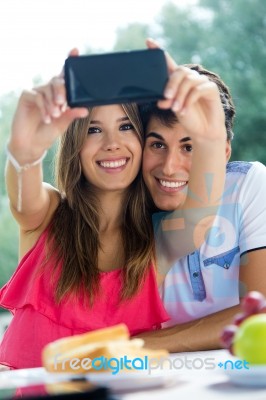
[[112, 164], [172, 184]]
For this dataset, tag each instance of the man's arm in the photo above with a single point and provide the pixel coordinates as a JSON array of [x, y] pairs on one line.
[[204, 333], [200, 334], [196, 101]]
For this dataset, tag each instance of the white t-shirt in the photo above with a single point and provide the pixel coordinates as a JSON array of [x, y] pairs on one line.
[[207, 280]]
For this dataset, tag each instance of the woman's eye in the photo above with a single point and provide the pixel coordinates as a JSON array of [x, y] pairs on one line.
[[93, 129], [126, 127], [157, 145]]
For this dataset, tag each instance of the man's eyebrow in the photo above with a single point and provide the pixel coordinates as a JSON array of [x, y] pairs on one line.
[[160, 137], [184, 139], [154, 135]]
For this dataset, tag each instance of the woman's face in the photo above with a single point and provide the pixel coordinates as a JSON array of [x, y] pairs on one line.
[[111, 153]]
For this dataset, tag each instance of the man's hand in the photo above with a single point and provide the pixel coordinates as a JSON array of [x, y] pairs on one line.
[[194, 98], [170, 62]]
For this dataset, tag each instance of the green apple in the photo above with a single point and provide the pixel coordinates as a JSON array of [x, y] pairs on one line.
[[250, 340]]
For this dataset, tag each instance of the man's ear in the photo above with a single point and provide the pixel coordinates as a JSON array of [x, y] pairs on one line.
[[228, 150]]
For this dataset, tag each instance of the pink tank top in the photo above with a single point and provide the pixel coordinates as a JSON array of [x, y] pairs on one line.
[[38, 320]]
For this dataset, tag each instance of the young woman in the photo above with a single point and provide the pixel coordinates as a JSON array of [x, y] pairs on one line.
[[86, 249]]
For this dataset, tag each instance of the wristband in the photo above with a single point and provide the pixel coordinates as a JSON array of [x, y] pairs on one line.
[[20, 168]]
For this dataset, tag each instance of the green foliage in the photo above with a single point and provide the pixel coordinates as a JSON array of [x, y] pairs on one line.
[[181, 33], [8, 227], [237, 35], [7, 107], [8, 242], [132, 37]]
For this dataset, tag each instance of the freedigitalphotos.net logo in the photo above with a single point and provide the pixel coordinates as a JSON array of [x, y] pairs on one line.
[[230, 364], [125, 363]]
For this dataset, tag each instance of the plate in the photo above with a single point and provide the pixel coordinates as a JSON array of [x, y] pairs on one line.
[[120, 382], [133, 380], [254, 376]]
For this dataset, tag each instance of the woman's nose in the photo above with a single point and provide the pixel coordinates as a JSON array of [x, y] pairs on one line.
[[111, 142]]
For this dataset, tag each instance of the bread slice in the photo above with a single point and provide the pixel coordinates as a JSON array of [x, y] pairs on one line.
[[59, 349], [108, 349]]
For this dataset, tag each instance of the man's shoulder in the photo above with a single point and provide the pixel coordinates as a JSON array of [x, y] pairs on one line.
[[244, 167], [243, 179]]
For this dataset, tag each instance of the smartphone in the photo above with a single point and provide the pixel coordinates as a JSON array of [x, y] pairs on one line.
[[112, 78]]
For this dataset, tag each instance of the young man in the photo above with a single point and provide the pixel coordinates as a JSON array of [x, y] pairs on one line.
[[201, 292]]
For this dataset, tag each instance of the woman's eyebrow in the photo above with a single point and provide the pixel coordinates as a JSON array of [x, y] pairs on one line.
[[123, 119], [94, 121]]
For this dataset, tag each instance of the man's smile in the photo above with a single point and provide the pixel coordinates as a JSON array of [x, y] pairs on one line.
[[171, 185]]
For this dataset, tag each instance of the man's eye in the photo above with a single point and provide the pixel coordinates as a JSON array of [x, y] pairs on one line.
[[93, 129], [157, 145], [126, 127], [187, 148]]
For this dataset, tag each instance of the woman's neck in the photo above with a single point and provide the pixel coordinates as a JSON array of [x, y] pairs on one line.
[[111, 210], [111, 253]]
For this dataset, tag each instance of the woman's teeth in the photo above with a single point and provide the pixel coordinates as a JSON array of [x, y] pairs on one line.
[[112, 164]]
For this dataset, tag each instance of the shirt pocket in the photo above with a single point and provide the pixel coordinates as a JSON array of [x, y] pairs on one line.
[[223, 260]]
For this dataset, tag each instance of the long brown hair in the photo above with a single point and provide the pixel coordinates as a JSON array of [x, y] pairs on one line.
[[73, 237]]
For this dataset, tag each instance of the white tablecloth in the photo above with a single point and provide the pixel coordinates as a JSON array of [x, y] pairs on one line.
[[187, 376], [201, 383]]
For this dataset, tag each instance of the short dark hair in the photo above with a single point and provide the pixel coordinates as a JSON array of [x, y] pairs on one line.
[[168, 117]]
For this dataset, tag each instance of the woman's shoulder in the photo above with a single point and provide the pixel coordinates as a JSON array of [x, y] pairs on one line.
[[28, 237]]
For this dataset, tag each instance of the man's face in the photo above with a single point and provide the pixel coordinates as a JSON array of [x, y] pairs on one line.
[[167, 160]]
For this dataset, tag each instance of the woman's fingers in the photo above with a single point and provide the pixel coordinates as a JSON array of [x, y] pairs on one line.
[[41, 105], [45, 100], [59, 94], [68, 116], [52, 99], [50, 103]]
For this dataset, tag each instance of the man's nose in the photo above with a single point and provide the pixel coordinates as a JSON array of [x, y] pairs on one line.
[[173, 162]]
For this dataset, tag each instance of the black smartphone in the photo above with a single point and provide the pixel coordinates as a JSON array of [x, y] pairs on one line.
[[112, 78]]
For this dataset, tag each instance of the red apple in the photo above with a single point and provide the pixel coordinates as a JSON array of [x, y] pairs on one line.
[[253, 302], [227, 335]]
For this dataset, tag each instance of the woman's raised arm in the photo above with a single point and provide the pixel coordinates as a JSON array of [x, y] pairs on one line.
[[40, 118]]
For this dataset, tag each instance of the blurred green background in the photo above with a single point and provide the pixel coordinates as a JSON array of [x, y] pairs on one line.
[[225, 36]]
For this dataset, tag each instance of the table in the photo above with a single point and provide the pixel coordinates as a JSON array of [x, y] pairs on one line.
[[195, 375], [201, 383]]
